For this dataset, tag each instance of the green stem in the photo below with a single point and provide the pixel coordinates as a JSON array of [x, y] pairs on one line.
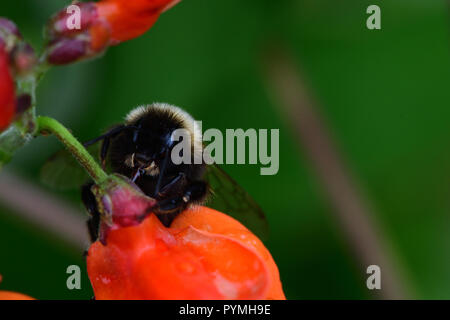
[[46, 124]]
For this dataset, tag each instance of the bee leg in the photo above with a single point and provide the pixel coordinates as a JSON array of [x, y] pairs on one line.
[[169, 208], [106, 138], [172, 183], [90, 203]]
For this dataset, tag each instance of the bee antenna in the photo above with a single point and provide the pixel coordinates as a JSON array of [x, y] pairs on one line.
[[110, 134]]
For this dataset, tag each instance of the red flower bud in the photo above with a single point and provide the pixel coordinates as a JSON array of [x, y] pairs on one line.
[[121, 204], [7, 90], [66, 45], [102, 24], [17, 58], [8, 27], [205, 254], [22, 57]]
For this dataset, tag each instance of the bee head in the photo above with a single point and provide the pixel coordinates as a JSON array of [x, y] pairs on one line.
[[145, 147], [149, 151]]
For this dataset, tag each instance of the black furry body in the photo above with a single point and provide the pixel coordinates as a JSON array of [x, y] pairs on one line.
[[144, 139]]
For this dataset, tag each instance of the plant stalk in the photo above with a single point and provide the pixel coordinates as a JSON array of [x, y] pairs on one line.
[[50, 125]]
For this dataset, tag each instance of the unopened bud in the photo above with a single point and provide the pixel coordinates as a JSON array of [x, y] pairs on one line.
[[70, 42], [121, 204], [9, 27]]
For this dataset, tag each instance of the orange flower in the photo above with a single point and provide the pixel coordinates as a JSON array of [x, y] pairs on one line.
[[212, 221], [8, 295], [130, 19], [205, 254], [102, 24]]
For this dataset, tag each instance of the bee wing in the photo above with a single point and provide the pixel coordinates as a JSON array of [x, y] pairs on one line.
[[62, 172], [230, 198]]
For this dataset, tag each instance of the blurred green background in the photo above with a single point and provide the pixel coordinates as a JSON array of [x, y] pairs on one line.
[[384, 95]]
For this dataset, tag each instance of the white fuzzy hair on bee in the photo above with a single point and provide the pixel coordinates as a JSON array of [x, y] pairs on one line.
[[181, 116]]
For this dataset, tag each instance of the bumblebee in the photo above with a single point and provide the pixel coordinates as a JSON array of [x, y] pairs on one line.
[[140, 148]]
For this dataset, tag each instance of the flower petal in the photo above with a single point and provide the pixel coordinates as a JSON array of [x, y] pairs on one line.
[[150, 261], [8, 295], [130, 19], [210, 220]]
